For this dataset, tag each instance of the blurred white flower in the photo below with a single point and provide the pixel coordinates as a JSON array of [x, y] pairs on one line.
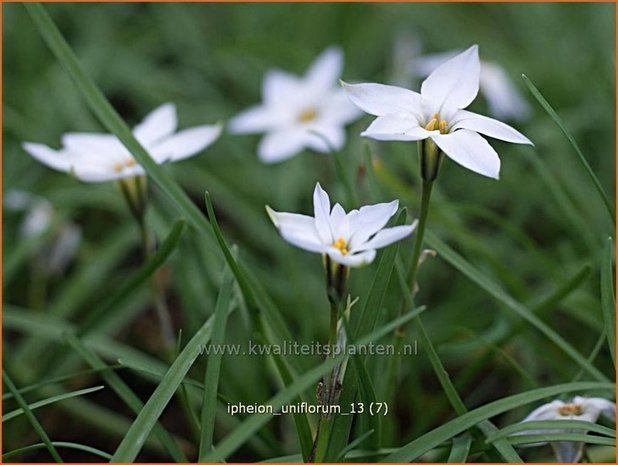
[[94, 157], [350, 239], [60, 249], [503, 98], [437, 114], [295, 108], [39, 217], [579, 408]]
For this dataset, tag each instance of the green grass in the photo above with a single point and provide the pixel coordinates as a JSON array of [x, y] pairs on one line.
[[518, 305]]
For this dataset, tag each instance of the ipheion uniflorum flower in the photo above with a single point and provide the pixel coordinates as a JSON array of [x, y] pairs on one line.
[[94, 157], [300, 112], [349, 239], [437, 118], [579, 408]]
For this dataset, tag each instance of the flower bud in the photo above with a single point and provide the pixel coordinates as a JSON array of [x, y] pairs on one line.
[[430, 158]]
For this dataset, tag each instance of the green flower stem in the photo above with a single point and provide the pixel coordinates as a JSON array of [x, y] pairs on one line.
[[420, 234], [332, 335], [135, 192], [336, 280], [158, 294], [410, 281]]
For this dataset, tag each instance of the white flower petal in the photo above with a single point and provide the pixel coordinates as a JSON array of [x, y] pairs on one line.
[[38, 219], [336, 108], [369, 220], [279, 88], [185, 143], [387, 236], [94, 174], [471, 151], [158, 124], [568, 451], [599, 406], [338, 224], [95, 148], [256, 119], [503, 98], [351, 260], [334, 135], [490, 127], [545, 412], [321, 212], [455, 83], [299, 230], [325, 70], [381, 100], [56, 159], [282, 144], [396, 127]]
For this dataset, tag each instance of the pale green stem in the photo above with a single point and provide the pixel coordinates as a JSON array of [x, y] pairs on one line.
[[158, 294], [335, 283]]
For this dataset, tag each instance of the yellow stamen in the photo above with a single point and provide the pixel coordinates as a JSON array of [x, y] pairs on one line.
[[442, 126], [342, 245], [570, 409], [119, 167], [431, 126], [307, 115], [437, 124]]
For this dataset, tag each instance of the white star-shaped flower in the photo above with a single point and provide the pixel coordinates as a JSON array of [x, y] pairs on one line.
[[579, 408], [350, 239], [94, 157], [296, 109], [438, 114]]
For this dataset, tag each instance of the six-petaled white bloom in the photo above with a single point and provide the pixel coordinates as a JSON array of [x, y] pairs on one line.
[[94, 157], [350, 239], [579, 408], [300, 112], [438, 114]]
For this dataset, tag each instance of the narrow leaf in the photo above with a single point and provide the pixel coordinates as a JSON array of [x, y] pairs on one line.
[[211, 379], [134, 439], [30, 416], [493, 289], [461, 448], [432, 439], [268, 317], [49, 401], [125, 393], [608, 299], [59, 444], [552, 425], [582, 159]]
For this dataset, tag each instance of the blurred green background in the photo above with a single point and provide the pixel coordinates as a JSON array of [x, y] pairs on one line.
[[531, 232]]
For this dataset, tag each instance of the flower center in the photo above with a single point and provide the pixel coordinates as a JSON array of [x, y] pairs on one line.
[[119, 167], [570, 409], [437, 124], [342, 245], [307, 115]]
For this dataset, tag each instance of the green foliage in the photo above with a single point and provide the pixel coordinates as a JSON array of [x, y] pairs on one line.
[[520, 299]]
